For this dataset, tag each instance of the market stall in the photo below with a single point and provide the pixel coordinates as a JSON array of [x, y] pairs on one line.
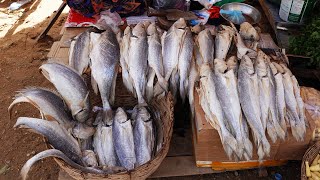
[[122, 84]]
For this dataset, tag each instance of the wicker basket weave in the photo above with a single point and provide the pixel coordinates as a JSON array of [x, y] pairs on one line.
[[165, 108], [309, 156]]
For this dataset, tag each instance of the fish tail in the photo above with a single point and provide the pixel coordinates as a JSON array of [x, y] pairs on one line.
[[182, 90], [266, 145], [94, 85], [107, 116], [272, 132], [163, 83], [248, 149], [158, 90]]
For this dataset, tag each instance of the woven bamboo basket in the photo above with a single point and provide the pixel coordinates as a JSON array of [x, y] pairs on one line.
[[164, 107], [309, 156]]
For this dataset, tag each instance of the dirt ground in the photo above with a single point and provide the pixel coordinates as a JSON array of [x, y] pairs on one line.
[[20, 57]]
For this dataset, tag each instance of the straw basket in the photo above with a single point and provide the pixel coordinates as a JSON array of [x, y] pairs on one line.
[[164, 108], [309, 156]]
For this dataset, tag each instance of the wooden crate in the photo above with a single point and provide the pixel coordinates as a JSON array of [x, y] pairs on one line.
[[209, 152]]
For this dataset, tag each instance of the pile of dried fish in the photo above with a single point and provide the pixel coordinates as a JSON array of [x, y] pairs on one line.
[[110, 143], [257, 92]]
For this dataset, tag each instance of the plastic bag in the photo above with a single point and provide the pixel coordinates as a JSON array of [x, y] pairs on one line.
[[207, 3], [169, 4], [234, 16]]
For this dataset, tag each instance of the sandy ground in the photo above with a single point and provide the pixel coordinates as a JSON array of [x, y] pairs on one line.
[[20, 57]]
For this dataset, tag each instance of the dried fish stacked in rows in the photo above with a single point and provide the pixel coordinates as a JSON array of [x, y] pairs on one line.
[[258, 92], [112, 142], [255, 93]]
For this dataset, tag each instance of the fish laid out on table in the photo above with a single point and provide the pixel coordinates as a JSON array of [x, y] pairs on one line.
[[241, 90]]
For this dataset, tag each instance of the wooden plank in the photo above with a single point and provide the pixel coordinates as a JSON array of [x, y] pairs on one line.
[[179, 166], [53, 50], [266, 42], [70, 33]]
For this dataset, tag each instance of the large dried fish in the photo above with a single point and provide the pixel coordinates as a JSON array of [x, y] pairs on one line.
[[280, 99], [223, 42], [57, 136], [123, 139], [50, 105], [143, 134], [205, 43], [72, 88], [297, 125], [184, 62], [227, 93], [213, 110], [124, 60], [193, 78], [105, 56], [138, 61], [155, 54], [249, 99], [79, 52]]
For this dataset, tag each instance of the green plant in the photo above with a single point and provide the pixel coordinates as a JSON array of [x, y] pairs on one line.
[[307, 43]]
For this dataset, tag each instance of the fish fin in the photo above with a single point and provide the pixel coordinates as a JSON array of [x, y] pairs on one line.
[[149, 86], [183, 89], [272, 132], [163, 83], [158, 90], [82, 104]]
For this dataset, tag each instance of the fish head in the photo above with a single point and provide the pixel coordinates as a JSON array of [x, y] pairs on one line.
[[121, 116], [246, 62], [152, 29], [205, 69], [127, 31], [227, 30], [220, 66], [139, 30], [203, 36], [232, 62], [197, 28], [249, 32], [83, 131], [286, 69], [80, 113], [273, 69], [278, 67], [261, 67], [143, 114], [180, 24]]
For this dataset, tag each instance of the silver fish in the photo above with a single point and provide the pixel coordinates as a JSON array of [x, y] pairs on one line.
[[155, 54], [123, 139], [193, 77], [300, 102], [89, 158], [171, 47], [249, 100], [105, 56], [213, 110], [50, 105], [72, 88], [223, 42], [58, 154], [138, 61], [149, 86], [205, 43], [297, 126], [264, 89], [124, 60], [227, 93], [247, 154], [104, 146], [79, 53], [280, 99], [232, 63], [143, 134], [57, 136], [185, 58]]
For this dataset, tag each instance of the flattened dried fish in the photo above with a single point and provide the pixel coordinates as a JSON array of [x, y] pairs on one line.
[[71, 86]]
